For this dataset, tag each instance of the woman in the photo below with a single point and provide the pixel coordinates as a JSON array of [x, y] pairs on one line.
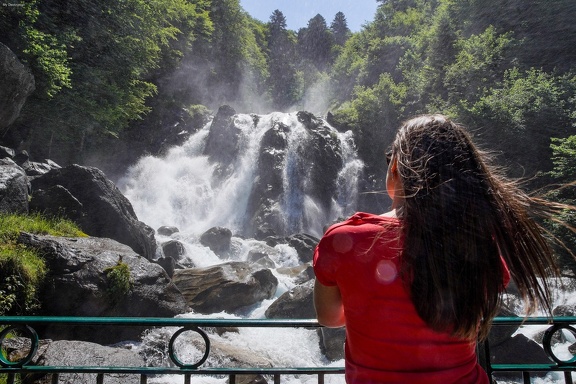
[[418, 286]]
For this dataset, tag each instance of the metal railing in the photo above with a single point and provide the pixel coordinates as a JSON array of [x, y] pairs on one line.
[[24, 327]]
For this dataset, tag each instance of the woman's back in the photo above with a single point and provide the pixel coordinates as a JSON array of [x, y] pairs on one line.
[[386, 340]]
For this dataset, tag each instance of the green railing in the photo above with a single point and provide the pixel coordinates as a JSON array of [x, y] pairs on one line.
[[24, 327]]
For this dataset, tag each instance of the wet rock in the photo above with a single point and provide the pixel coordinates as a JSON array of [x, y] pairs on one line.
[[297, 303], [225, 287], [167, 230], [218, 239], [17, 84], [304, 245], [77, 285], [173, 249], [79, 353], [14, 188], [106, 212]]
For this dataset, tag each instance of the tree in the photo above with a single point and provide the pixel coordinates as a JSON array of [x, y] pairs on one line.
[[285, 82], [315, 43], [339, 28], [110, 50]]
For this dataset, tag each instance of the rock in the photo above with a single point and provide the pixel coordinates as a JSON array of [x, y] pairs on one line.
[[266, 219], [518, 349], [225, 287], [81, 353], [304, 245], [77, 285], [221, 350], [261, 253], [168, 264], [14, 188], [499, 334], [297, 303], [173, 249], [105, 211], [300, 274], [564, 310], [218, 239], [167, 230], [17, 85], [332, 342], [6, 152], [222, 141], [56, 201]]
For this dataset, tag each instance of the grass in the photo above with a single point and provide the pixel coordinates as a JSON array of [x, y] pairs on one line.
[[23, 269]]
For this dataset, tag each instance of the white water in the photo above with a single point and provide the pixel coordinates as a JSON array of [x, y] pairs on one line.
[[179, 190]]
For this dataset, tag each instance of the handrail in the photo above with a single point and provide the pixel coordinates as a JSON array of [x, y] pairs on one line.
[[25, 324]]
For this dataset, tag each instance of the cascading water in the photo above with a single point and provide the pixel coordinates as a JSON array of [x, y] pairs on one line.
[[187, 189], [180, 189]]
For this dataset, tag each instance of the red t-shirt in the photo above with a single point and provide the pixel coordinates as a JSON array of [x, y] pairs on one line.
[[386, 340]]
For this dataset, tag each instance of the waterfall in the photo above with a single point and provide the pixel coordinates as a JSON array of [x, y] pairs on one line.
[[273, 176], [180, 188]]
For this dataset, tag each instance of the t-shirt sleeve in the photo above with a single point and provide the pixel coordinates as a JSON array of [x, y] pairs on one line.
[[324, 262]]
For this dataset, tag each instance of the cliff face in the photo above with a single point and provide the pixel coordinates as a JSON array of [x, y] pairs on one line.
[[17, 84]]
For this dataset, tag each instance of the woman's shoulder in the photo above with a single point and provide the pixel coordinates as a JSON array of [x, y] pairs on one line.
[[364, 221]]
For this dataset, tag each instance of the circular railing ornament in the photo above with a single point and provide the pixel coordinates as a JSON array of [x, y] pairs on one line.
[[547, 343], [172, 352], [22, 331]]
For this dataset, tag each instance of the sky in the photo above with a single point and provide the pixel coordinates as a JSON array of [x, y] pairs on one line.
[[299, 12]]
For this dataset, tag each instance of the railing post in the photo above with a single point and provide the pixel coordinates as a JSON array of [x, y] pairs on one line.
[[320, 378], [100, 378], [232, 379], [54, 378], [276, 379], [143, 379]]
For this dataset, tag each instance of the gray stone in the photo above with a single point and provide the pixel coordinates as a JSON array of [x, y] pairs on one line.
[[77, 285], [173, 249], [297, 303], [167, 230], [17, 85], [81, 353], [14, 188], [106, 212], [218, 239], [225, 287]]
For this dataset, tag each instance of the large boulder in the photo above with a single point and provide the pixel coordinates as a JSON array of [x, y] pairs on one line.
[[297, 303], [266, 218], [304, 245], [17, 85], [105, 211], [218, 239], [223, 140], [14, 188], [225, 287], [81, 353], [78, 285]]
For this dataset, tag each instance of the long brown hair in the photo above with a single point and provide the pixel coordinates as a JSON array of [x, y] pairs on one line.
[[459, 217]]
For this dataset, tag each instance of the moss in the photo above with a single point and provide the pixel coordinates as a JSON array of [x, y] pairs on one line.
[[119, 281], [22, 269]]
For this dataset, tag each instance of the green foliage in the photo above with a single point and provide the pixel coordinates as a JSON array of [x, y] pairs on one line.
[[95, 61], [44, 51], [22, 270], [564, 159], [119, 281], [564, 177]]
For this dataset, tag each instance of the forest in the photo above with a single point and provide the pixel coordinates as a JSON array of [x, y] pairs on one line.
[[113, 77]]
